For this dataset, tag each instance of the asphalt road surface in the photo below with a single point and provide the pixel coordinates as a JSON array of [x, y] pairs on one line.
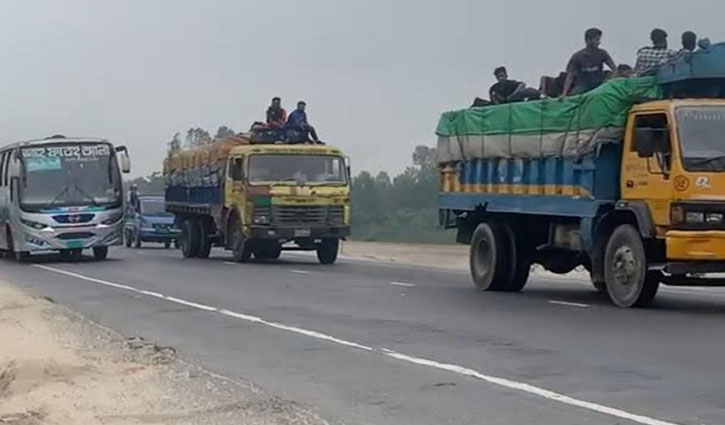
[[364, 343]]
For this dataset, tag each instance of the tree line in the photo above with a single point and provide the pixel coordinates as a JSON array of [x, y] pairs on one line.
[[402, 208]]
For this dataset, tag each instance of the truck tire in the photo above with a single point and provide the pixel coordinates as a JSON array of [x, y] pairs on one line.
[[241, 247], [205, 244], [628, 281], [100, 252], [190, 238], [167, 244], [327, 250], [521, 258], [489, 258]]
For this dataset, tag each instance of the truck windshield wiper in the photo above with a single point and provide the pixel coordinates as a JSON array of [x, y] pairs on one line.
[[707, 161]]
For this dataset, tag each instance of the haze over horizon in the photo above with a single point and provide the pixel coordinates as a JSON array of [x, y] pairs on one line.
[[376, 74]]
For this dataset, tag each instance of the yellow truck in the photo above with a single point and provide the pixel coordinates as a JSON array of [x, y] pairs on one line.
[[627, 181], [259, 199]]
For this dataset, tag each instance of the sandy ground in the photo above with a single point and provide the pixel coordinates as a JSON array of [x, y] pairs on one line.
[[57, 368]]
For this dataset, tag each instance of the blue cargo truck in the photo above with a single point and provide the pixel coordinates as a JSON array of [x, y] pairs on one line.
[[626, 181]]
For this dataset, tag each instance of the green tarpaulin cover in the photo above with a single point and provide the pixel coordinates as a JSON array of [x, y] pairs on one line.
[[549, 127]]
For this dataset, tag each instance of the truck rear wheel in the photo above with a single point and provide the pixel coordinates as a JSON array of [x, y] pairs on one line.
[[489, 257], [190, 236], [205, 244], [521, 256], [327, 250], [628, 282]]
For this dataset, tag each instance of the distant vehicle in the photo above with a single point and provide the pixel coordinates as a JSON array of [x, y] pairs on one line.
[[258, 199], [148, 221], [61, 194], [633, 191]]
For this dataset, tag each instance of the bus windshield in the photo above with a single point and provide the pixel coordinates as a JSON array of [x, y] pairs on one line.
[[69, 174], [297, 169]]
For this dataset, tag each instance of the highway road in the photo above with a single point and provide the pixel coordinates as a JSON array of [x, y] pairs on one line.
[[364, 343]]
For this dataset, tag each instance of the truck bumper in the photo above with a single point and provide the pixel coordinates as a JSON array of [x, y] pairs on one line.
[[275, 232], [685, 245]]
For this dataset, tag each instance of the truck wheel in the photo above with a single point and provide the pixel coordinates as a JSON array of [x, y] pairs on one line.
[[327, 250], [520, 260], [100, 252], [204, 240], [190, 239], [489, 258], [167, 244], [628, 282], [241, 246]]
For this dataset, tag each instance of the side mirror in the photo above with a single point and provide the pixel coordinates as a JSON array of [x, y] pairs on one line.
[[347, 166], [644, 142], [123, 159]]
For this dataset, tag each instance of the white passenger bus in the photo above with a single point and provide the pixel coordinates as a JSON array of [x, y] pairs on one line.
[[61, 194]]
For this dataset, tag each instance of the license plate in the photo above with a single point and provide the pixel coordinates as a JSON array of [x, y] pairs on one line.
[[74, 244], [302, 233]]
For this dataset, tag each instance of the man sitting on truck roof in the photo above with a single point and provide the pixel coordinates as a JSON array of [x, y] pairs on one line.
[[651, 57], [276, 115], [297, 123], [585, 70], [504, 90]]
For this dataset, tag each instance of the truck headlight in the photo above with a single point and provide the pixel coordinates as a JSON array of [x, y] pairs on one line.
[[694, 217], [261, 218], [262, 215], [34, 224], [714, 218]]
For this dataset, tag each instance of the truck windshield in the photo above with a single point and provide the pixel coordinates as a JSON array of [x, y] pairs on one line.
[[702, 137], [69, 174], [297, 169], [153, 207]]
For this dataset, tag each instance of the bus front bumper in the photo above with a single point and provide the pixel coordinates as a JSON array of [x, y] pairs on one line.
[[80, 237]]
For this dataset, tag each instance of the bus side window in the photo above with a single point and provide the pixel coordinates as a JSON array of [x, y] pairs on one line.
[[7, 167]]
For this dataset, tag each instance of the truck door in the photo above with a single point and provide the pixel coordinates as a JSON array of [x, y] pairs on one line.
[[234, 192], [647, 163]]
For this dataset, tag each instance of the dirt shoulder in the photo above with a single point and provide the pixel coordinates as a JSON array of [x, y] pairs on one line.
[[58, 368], [450, 257]]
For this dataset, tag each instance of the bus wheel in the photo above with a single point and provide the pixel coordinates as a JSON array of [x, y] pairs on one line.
[[100, 252], [190, 239], [128, 238], [167, 244], [489, 258], [629, 284], [22, 256], [327, 250]]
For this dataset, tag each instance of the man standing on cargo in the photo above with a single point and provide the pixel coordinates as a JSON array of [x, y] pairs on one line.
[[585, 71], [298, 122], [276, 115], [651, 57]]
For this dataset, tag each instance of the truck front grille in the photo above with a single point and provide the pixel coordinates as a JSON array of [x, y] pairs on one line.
[[317, 214]]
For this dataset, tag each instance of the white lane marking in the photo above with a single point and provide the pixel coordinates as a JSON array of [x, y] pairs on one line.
[[568, 304], [299, 271], [460, 370], [229, 263], [403, 284], [527, 388]]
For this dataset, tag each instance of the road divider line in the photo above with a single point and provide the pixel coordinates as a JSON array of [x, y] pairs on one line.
[[459, 370], [403, 284], [568, 304], [229, 263], [299, 271]]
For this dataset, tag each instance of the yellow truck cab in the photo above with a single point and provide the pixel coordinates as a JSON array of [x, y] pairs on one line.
[[259, 199], [674, 163]]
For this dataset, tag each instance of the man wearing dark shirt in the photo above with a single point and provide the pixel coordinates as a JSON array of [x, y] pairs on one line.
[[585, 70], [504, 90], [297, 121], [276, 115]]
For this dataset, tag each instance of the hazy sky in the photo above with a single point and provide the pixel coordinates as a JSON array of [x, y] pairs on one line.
[[376, 74]]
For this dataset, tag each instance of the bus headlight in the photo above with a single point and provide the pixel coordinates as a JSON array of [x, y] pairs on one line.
[[33, 224]]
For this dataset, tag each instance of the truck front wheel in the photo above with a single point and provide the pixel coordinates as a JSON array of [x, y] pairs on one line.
[[190, 238], [489, 258], [327, 250], [241, 247], [628, 281]]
